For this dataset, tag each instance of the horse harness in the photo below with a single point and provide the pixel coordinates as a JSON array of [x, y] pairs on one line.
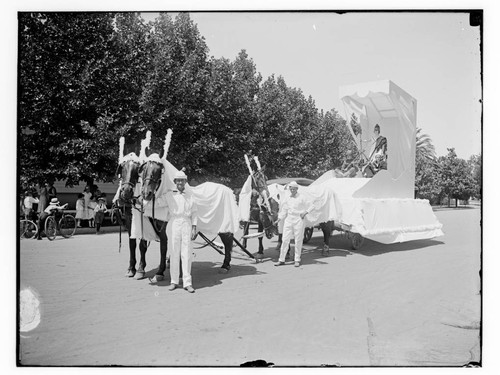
[[157, 182]]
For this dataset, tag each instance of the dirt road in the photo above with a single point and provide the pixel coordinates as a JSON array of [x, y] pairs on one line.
[[410, 304]]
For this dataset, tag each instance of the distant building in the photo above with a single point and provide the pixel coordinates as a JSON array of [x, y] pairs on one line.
[[70, 194]]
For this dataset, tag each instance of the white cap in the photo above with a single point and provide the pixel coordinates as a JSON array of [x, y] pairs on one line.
[[293, 184], [180, 176]]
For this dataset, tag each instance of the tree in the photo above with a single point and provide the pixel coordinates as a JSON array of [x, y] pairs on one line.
[[424, 147], [456, 177], [476, 166], [79, 82], [426, 182], [283, 131], [231, 115], [328, 143], [175, 91]]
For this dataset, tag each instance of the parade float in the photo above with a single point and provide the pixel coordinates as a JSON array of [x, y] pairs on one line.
[[382, 208]]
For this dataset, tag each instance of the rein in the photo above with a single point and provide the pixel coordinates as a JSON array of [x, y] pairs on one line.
[[162, 228], [157, 182], [122, 214]]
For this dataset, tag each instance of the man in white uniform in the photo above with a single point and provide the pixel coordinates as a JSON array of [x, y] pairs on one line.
[[294, 210], [181, 229]]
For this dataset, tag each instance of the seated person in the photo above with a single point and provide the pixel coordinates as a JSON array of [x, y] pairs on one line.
[[375, 166], [52, 208], [349, 167], [378, 157]]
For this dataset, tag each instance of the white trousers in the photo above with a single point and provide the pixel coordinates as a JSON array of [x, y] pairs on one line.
[[281, 224], [180, 250], [293, 227]]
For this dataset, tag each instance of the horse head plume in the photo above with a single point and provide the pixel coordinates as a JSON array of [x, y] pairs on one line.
[[122, 148], [145, 144], [166, 146], [257, 162], [247, 161]]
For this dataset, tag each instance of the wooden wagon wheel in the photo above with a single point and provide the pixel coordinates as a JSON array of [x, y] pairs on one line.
[[356, 241], [308, 232]]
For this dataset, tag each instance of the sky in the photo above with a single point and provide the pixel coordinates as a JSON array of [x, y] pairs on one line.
[[435, 57]]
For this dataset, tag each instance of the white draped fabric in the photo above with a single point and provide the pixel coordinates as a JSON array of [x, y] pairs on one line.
[[141, 227], [244, 200], [326, 204], [323, 198], [391, 220], [217, 208]]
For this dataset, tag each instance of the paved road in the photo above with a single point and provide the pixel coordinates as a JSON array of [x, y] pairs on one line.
[[409, 304]]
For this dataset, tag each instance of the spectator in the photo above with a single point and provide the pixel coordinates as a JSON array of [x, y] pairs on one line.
[[80, 210], [29, 213], [100, 209], [51, 208], [86, 197], [91, 212], [44, 197]]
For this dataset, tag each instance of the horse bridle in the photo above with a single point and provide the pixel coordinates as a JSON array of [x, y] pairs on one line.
[[259, 177], [157, 180], [157, 183]]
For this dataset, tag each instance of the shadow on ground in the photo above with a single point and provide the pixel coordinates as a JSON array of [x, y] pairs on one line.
[[207, 274], [340, 245], [311, 253], [371, 248]]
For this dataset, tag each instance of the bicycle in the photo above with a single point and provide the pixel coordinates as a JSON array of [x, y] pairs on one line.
[[66, 226], [27, 229]]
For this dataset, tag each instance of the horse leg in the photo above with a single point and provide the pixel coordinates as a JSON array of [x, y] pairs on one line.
[[246, 228], [141, 273], [327, 232], [132, 243], [163, 253], [260, 254], [227, 240]]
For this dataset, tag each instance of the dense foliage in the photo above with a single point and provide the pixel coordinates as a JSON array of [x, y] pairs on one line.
[[86, 79], [448, 177]]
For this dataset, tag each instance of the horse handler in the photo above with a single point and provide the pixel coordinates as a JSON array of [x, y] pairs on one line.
[[294, 210], [181, 230]]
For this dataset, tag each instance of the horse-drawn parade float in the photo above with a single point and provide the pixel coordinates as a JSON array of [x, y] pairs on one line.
[[376, 201]]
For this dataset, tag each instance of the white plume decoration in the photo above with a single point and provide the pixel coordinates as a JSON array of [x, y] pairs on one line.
[[145, 144], [248, 164], [168, 139], [122, 149], [257, 162]]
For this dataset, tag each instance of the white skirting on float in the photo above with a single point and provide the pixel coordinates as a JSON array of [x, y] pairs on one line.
[[390, 220]]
